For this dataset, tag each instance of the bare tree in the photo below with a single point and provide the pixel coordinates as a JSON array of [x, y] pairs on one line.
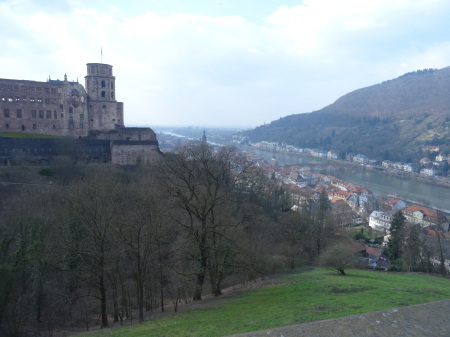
[[95, 206], [293, 230], [201, 181]]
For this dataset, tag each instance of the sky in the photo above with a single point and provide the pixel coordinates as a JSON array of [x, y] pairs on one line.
[[229, 63]]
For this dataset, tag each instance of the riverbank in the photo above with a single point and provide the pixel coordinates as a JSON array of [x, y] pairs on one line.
[[434, 180], [410, 176]]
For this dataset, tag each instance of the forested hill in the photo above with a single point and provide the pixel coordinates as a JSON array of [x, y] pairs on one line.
[[390, 120]]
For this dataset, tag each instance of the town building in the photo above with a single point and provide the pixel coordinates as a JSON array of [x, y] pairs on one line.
[[425, 216], [381, 221]]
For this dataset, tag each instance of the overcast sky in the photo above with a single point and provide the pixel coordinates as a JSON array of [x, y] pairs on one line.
[[224, 62]]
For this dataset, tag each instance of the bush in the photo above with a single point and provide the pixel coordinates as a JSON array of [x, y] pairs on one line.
[[338, 257], [47, 172]]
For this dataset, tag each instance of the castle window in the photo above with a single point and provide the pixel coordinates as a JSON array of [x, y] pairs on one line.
[[103, 93], [19, 113], [39, 99], [7, 126], [103, 84], [104, 107], [54, 126], [24, 98], [55, 115], [71, 125], [48, 114], [112, 95], [6, 113], [41, 113], [10, 99], [33, 113], [17, 99], [61, 107], [93, 69], [62, 115], [23, 127], [47, 89], [53, 90], [32, 99], [71, 110], [34, 126], [81, 125], [59, 90], [81, 117]]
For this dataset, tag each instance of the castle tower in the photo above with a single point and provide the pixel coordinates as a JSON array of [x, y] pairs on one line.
[[105, 113]]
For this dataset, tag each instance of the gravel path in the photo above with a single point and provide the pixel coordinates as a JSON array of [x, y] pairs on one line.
[[429, 319]]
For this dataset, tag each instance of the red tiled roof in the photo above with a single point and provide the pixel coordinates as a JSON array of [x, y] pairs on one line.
[[356, 247], [428, 211], [335, 199], [373, 251], [393, 201]]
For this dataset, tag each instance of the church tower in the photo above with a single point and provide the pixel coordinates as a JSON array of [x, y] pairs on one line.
[[105, 113]]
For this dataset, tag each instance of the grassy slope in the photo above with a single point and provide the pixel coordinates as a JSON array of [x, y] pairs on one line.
[[314, 295]]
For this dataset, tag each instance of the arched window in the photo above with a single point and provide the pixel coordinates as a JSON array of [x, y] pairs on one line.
[[103, 93], [103, 84]]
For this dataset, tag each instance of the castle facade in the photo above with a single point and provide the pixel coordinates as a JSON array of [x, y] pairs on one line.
[[62, 108], [66, 108]]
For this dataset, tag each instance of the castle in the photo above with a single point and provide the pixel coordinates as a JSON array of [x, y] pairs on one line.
[[66, 108]]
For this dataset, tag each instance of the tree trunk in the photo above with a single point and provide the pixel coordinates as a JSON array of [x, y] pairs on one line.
[[141, 299], [199, 285], [103, 301]]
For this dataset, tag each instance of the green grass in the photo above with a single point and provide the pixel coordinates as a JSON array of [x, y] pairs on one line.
[[25, 135], [309, 296]]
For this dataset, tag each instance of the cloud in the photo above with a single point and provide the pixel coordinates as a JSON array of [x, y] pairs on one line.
[[181, 67]]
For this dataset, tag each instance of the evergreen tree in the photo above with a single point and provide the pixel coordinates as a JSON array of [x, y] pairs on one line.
[[397, 236]]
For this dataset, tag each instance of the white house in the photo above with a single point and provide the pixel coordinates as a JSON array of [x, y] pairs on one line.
[[381, 220]]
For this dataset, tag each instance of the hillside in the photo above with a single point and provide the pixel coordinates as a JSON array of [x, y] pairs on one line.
[[390, 120]]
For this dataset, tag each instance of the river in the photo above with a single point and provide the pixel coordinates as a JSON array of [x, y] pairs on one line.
[[381, 184]]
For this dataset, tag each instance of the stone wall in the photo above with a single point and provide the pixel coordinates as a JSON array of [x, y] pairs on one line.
[[122, 133], [134, 152], [15, 151]]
